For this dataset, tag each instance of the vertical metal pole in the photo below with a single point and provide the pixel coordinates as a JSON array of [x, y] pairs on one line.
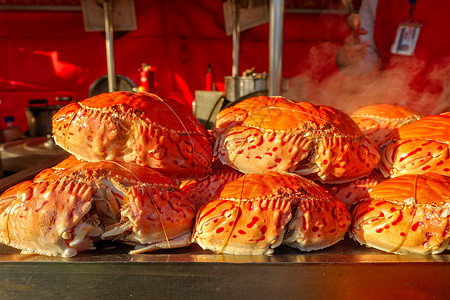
[[109, 45], [236, 40], [236, 33], [276, 46]]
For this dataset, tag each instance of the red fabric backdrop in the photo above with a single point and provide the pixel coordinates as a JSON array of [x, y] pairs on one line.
[[49, 54]]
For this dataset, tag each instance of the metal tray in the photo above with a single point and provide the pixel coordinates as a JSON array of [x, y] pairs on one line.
[[343, 271]]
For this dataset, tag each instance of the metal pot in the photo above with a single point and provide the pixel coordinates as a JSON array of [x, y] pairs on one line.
[[39, 115], [100, 86], [237, 87]]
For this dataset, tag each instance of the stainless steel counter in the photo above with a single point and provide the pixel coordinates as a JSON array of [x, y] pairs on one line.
[[343, 271], [23, 159]]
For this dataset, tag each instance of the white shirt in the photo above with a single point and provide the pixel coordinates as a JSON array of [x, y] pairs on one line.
[[367, 14]]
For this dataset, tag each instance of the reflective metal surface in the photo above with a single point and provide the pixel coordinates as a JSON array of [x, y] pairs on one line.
[[26, 159], [276, 46], [343, 271], [109, 41], [344, 252], [236, 37], [237, 87]]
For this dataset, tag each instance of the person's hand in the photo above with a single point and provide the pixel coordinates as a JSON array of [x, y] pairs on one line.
[[352, 50], [354, 23]]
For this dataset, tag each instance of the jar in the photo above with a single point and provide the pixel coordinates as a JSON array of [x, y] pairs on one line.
[[11, 131]]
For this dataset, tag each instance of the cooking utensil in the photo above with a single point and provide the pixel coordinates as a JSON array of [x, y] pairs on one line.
[[237, 87], [101, 85], [39, 115]]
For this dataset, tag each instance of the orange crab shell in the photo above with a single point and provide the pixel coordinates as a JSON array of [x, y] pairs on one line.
[[201, 191], [318, 223], [420, 147], [275, 134], [252, 213], [67, 211], [135, 127], [29, 221], [379, 120], [406, 214], [353, 191]]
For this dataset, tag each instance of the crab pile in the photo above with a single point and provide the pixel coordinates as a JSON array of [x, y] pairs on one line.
[[128, 150], [377, 122], [67, 209], [281, 146], [408, 212], [267, 134], [273, 172]]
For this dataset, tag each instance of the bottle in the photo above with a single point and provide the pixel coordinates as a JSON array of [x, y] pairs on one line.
[[210, 79], [11, 131], [147, 79]]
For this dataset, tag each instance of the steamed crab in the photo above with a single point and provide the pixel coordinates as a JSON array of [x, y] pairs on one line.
[[263, 134], [67, 209], [419, 147], [379, 120], [352, 191], [201, 191], [405, 214], [257, 212], [135, 127]]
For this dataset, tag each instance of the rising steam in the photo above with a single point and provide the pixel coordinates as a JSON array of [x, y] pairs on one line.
[[401, 82]]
